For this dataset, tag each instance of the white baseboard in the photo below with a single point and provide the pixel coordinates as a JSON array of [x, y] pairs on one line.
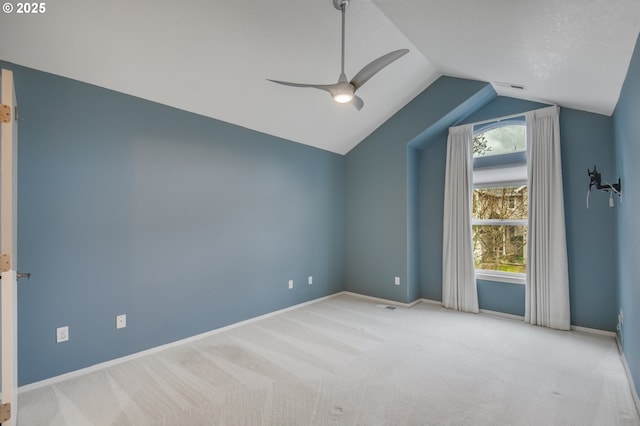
[[627, 370], [113, 362], [501, 315], [619, 343], [593, 331], [482, 311], [385, 301], [634, 393], [521, 318]]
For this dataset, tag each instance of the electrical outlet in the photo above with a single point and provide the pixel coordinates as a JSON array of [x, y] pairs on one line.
[[62, 334], [310, 280], [397, 281], [290, 284], [121, 321], [620, 322]]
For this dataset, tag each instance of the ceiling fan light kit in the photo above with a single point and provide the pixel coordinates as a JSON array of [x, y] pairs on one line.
[[344, 90]]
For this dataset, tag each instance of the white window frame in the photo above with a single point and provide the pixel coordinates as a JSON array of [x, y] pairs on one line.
[[501, 276], [490, 275]]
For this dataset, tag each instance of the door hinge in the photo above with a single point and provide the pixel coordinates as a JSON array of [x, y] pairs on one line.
[[5, 113], [5, 412], [5, 262]]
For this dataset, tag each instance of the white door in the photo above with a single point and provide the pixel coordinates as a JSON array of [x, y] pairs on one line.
[[9, 244]]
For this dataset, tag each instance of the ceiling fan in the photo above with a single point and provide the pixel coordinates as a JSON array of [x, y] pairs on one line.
[[344, 90]]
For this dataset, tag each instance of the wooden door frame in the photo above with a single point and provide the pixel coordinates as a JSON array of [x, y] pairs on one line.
[[9, 246]]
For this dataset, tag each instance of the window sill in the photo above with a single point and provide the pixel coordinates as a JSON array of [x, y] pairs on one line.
[[502, 277]]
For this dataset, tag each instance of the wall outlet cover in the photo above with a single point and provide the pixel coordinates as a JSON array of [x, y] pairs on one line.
[[121, 321], [62, 334]]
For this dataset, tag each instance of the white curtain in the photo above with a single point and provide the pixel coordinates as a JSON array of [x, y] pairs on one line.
[[458, 274], [547, 291]]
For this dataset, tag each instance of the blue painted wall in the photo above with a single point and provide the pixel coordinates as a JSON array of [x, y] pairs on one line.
[[586, 138], [431, 165], [413, 224], [501, 297], [380, 176], [627, 148], [182, 222]]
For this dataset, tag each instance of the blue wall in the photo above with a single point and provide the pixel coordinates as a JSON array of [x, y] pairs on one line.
[[381, 191], [627, 148], [431, 165], [182, 222], [586, 138]]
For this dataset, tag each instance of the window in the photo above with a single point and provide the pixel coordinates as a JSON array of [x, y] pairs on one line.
[[500, 230], [500, 203], [507, 139]]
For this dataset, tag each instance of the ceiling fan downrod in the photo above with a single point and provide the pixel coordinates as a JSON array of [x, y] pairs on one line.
[[342, 5]]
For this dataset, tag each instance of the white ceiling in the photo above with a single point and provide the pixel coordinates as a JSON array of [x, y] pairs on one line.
[[213, 57]]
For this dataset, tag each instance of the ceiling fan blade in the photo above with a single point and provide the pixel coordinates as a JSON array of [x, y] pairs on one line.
[[376, 65], [357, 102], [326, 87]]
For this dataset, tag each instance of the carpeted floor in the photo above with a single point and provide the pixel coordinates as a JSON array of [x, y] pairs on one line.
[[349, 361]]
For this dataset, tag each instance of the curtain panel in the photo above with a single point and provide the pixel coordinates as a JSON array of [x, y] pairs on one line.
[[459, 290], [547, 288]]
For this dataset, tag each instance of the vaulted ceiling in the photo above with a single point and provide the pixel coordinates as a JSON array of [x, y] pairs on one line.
[[213, 57]]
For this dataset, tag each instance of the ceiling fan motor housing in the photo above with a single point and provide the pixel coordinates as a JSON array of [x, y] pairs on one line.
[[340, 4]]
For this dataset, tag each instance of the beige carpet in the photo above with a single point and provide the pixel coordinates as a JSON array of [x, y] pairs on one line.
[[348, 361]]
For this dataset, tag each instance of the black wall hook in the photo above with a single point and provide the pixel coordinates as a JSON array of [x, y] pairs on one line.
[[595, 179]]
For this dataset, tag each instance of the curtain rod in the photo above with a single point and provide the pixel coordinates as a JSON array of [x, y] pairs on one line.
[[499, 119], [506, 117]]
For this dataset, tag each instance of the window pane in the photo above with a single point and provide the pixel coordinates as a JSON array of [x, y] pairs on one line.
[[509, 202], [503, 140], [500, 247]]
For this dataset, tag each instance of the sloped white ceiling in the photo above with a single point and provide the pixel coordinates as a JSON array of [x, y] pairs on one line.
[[574, 53], [213, 57]]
